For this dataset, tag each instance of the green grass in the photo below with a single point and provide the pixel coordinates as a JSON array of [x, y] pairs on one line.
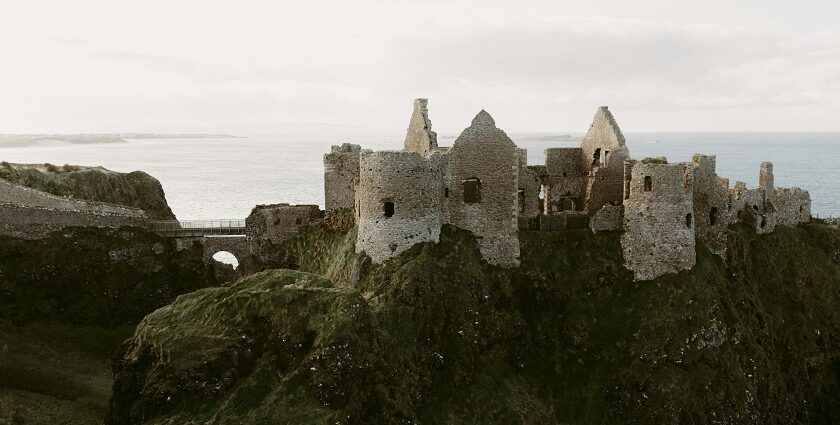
[[51, 373], [439, 336]]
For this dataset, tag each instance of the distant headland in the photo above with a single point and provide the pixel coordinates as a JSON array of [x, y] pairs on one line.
[[25, 140]]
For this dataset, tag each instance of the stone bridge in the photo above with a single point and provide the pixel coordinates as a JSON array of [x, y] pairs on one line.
[[214, 236], [267, 225]]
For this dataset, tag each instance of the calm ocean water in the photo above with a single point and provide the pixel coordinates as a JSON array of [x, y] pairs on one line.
[[225, 178]]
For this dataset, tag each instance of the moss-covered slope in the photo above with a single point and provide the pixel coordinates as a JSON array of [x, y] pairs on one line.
[[136, 189], [438, 336]]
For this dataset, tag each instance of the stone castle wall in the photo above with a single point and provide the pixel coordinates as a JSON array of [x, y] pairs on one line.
[[341, 171], [659, 224], [566, 180], [711, 204], [269, 225], [484, 184], [767, 206], [603, 154], [530, 205], [486, 153], [793, 206], [399, 198]]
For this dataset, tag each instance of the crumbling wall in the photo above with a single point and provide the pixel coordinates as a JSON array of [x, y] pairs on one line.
[[529, 186], [767, 206], [793, 206], [485, 156], [419, 137], [603, 154], [659, 224], [608, 218], [399, 198], [711, 204], [269, 225], [566, 177], [341, 172]]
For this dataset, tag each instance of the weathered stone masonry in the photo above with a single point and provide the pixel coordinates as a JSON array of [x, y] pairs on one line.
[[484, 184], [659, 223], [341, 172]]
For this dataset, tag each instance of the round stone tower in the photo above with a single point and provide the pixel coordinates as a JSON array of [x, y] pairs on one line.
[[398, 202]]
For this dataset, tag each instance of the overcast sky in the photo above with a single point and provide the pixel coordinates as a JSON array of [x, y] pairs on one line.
[[251, 67]]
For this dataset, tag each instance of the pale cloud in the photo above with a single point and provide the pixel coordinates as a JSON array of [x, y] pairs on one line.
[[261, 66]]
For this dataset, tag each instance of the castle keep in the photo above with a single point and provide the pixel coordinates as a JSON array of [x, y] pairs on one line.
[[483, 184]]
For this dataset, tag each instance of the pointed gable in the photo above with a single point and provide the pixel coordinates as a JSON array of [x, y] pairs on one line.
[[483, 131], [604, 131], [419, 137]]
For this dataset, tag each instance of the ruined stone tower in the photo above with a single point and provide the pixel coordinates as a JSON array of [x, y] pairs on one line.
[[341, 171], [483, 184], [419, 137], [659, 223], [398, 202]]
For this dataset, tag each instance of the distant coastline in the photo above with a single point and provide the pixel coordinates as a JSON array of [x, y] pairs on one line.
[[27, 140]]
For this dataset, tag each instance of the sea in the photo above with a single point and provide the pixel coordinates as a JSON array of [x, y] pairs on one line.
[[224, 178]]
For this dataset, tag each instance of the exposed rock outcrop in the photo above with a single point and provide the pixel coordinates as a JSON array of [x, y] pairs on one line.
[[136, 189], [95, 276]]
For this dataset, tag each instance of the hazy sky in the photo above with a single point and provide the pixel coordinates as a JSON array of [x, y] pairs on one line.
[[253, 67]]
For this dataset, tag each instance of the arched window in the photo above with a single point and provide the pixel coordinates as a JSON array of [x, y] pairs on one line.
[[713, 216], [472, 191], [388, 209]]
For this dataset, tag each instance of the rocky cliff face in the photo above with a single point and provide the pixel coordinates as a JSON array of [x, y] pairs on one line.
[[136, 189], [92, 276], [438, 336]]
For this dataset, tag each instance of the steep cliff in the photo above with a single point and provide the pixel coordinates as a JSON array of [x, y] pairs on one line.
[[136, 189], [92, 276], [66, 303], [438, 336]]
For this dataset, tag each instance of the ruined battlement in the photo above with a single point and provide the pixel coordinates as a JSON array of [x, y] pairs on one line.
[[484, 184]]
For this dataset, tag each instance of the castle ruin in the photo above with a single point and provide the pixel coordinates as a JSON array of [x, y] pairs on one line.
[[482, 183]]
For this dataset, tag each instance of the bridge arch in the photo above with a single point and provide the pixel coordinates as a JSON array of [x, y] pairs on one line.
[[236, 245]]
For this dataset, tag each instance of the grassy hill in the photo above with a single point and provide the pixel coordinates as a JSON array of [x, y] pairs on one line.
[[437, 336]]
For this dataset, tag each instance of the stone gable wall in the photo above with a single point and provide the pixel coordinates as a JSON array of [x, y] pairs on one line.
[[419, 137], [483, 151], [606, 177]]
